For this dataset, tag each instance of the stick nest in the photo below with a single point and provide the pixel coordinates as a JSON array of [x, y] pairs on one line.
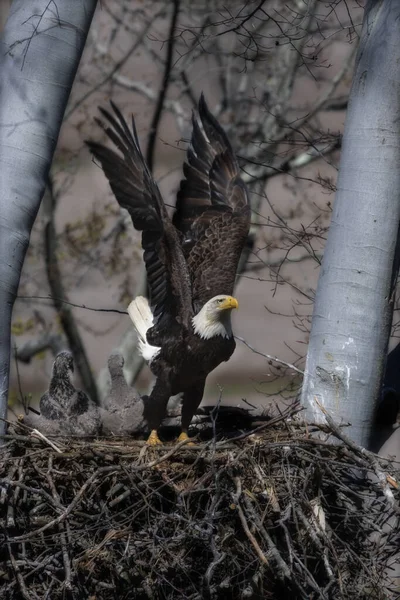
[[278, 513]]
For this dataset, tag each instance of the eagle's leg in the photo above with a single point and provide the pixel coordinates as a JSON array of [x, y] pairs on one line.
[[155, 408], [190, 403], [153, 439]]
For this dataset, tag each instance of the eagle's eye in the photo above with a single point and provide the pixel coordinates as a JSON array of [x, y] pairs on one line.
[[220, 300]]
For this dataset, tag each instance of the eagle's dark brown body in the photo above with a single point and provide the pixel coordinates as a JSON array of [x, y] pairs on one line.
[[188, 360], [183, 365], [191, 260]]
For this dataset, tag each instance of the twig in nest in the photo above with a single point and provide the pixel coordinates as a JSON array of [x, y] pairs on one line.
[[242, 517], [36, 433], [283, 567], [64, 549], [168, 455], [381, 476], [69, 509], [27, 595], [314, 531], [108, 513], [10, 475], [218, 558]]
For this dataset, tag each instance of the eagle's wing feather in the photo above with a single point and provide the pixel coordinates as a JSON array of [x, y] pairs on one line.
[[212, 210], [136, 190]]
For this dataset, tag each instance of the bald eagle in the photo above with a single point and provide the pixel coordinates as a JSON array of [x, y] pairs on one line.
[[191, 260]]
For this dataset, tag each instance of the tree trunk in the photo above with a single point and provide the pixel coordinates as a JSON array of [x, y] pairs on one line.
[[41, 47], [354, 301]]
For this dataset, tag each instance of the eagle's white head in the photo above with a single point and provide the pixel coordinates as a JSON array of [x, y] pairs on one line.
[[215, 317]]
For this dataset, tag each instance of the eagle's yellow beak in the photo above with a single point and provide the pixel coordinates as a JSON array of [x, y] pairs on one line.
[[229, 303]]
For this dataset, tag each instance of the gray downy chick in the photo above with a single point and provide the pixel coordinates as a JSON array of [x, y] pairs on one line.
[[62, 398], [76, 412], [120, 392], [123, 409]]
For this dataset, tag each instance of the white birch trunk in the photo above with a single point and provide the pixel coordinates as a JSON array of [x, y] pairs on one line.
[[40, 50], [354, 304]]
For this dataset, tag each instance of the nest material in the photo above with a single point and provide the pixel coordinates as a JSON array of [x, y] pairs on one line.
[[275, 514]]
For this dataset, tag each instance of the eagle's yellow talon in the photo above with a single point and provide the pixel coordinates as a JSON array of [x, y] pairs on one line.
[[153, 439], [184, 436]]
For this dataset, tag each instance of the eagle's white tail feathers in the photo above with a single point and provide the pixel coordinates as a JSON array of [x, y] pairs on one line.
[[141, 315], [142, 318]]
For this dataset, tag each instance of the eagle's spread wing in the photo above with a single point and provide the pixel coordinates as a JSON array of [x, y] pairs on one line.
[[136, 190], [212, 210]]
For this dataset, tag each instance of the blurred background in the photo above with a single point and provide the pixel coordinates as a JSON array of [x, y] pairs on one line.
[[277, 76]]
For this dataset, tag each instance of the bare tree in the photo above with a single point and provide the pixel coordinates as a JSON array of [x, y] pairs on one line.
[[41, 46], [355, 296], [251, 61]]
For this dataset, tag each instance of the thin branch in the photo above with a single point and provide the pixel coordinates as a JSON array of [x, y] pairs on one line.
[[245, 525], [29, 349], [164, 87], [37, 434], [269, 356], [66, 317], [27, 595], [64, 301], [363, 452], [116, 68]]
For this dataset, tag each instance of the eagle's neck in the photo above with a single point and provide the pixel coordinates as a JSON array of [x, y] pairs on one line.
[[208, 325]]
